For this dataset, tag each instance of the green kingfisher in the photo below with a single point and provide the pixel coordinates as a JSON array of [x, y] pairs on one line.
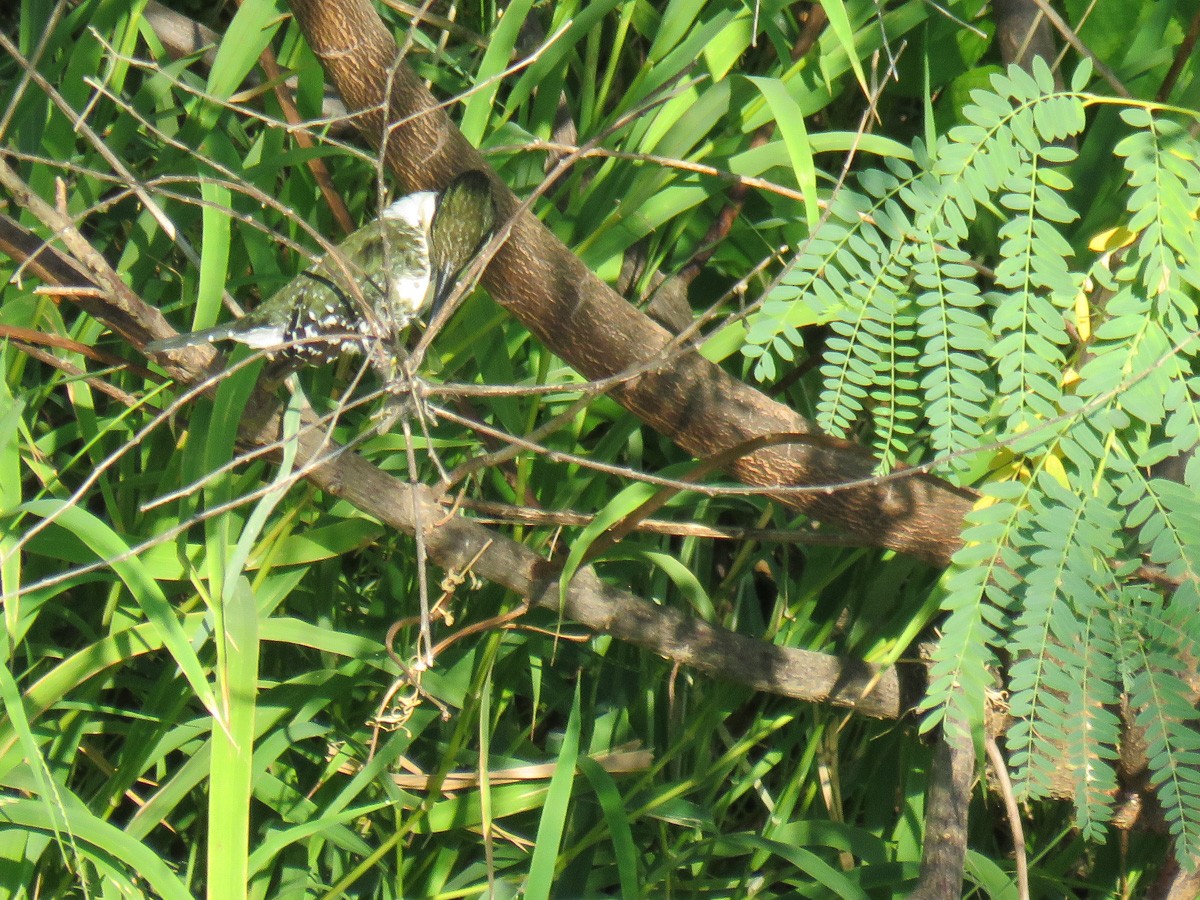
[[402, 263]]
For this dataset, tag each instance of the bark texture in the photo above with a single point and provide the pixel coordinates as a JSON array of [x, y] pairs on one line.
[[695, 403]]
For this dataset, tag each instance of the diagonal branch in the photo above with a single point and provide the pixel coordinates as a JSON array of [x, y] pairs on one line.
[[695, 403], [455, 542]]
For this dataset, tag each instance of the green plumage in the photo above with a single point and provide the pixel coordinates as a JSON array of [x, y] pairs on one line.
[[381, 277]]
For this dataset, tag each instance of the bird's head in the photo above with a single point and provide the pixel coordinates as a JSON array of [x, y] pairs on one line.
[[462, 223]]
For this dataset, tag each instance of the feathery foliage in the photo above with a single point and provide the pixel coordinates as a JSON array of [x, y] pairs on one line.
[[196, 689], [1057, 379]]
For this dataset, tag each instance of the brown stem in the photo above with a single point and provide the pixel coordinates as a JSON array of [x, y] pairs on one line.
[[316, 165], [947, 802]]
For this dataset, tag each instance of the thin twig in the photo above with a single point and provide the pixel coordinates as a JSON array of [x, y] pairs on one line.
[[1000, 770], [1069, 35]]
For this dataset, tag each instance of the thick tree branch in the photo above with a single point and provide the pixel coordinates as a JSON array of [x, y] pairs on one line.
[[947, 802], [695, 403], [455, 542]]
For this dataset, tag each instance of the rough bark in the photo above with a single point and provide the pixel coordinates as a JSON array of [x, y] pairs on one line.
[[947, 802], [695, 403]]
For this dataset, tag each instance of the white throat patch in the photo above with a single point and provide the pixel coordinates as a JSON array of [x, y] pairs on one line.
[[416, 210]]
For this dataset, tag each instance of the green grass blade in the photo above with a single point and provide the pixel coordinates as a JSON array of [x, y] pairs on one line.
[[257, 520], [14, 709], [247, 35], [626, 502], [233, 751], [77, 669], [501, 42], [108, 545], [552, 825], [617, 820], [839, 23], [214, 249], [790, 120], [10, 498], [107, 847]]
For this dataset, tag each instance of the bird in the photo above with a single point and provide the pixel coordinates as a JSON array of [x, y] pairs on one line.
[[403, 263]]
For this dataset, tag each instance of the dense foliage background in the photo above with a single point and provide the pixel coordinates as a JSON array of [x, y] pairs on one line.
[[211, 680]]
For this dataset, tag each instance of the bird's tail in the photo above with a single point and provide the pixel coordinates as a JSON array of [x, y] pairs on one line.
[[191, 339]]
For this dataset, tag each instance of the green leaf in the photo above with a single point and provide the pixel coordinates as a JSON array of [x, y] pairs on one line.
[[839, 23], [790, 121], [477, 109], [105, 846], [617, 820], [253, 25], [620, 506], [554, 811], [108, 547], [232, 758], [10, 497]]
